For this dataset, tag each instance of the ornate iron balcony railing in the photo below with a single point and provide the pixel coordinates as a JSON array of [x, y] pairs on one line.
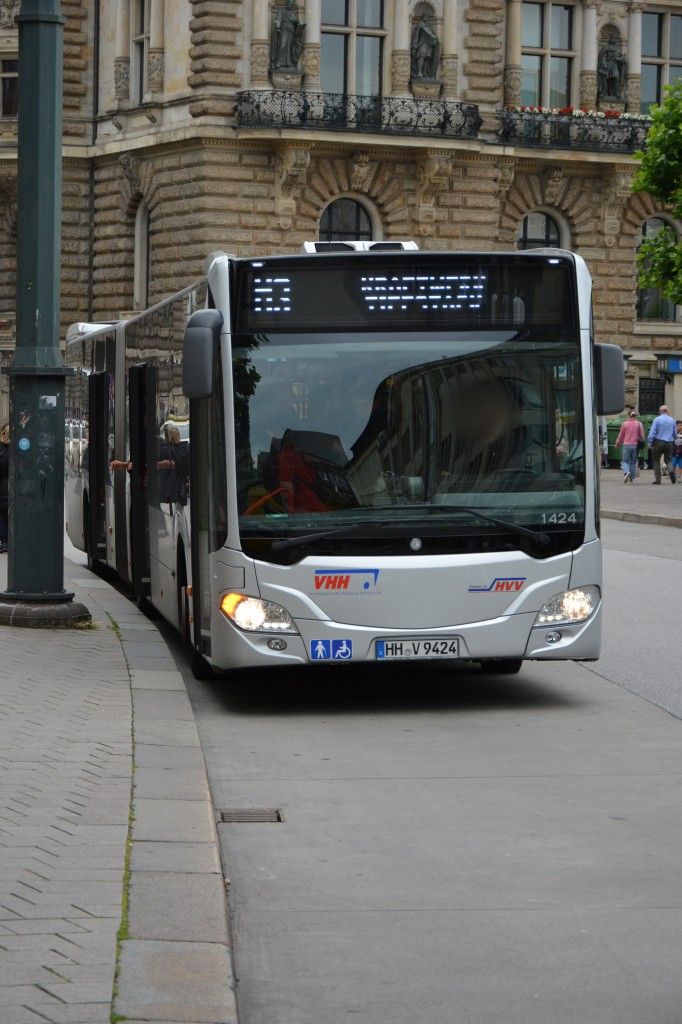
[[604, 134], [324, 111]]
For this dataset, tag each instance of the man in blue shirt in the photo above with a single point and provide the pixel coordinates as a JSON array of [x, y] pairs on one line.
[[661, 437]]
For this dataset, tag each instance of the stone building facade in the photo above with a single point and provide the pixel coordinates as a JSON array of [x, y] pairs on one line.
[[253, 125]]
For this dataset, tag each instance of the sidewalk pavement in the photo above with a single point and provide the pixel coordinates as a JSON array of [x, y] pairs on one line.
[[638, 502], [106, 816], [105, 808]]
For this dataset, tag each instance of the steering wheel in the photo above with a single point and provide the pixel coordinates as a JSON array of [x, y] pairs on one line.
[[518, 471], [264, 499]]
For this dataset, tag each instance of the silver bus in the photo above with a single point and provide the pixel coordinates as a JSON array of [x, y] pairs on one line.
[[380, 455]]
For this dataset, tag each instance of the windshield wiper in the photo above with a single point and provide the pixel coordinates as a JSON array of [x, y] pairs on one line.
[[310, 538], [543, 540], [540, 538]]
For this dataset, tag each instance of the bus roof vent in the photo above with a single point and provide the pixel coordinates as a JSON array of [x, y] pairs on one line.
[[329, 247], [386, 246], [78, 330], [353, 246]]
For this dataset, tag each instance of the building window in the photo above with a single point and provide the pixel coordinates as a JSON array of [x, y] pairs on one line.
[[140, 50], [651, 395], [650, 302], [661, 56], [538, 231], [9, 76], [547, 55], [142, 268], [345, 220], [352, 47]]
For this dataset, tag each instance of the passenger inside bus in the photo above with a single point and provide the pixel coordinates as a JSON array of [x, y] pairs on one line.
[[173, 466]]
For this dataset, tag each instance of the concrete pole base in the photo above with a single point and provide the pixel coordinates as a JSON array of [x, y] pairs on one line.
[[32, 612]]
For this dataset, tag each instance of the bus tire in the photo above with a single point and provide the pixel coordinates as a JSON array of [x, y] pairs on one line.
[[502, 666], [146, 607], [200, 667]]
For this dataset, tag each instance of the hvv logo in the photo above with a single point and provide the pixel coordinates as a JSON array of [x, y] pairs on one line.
[[350, 581], [508, 585]]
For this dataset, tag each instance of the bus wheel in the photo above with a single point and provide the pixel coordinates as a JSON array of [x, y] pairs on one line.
[[200, 667], [502, 666]]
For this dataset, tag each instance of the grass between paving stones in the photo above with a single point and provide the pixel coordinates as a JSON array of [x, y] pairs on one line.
[[123, 932]]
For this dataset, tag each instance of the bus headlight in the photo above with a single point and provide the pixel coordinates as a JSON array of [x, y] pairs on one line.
[[569, 607], [256, 616]]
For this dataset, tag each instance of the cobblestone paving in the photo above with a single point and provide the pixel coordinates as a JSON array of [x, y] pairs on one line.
[[65, 776]]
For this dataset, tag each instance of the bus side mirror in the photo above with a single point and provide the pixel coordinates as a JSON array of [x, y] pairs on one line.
[[199, 351], [609, 379]]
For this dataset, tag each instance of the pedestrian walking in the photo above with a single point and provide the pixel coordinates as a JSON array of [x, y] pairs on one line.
[[661, 436], [677, 452], [4, 485], [630, 434]]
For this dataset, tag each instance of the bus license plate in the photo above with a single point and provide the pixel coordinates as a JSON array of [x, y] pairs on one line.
[[387, 650]]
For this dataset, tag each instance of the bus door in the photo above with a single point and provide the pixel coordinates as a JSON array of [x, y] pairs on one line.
[[96, 461], [139, 504], [208, 500], [200, 489]]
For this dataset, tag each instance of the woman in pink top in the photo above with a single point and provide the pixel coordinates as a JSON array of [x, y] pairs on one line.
[[630, 433]]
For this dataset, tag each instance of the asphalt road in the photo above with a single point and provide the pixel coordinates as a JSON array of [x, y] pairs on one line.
[[642, 607], [459, 848]]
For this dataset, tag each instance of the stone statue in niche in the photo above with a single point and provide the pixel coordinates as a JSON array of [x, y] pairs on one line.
[[9, 9], [286, 41], [424, 51], [611, 71]]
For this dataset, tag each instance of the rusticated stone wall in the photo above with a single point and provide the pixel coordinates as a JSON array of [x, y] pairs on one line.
[[216, 55], [76, 242], [483, 63], [77, 105], [114, 244]]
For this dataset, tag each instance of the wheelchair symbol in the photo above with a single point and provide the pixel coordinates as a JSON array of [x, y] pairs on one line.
[[342, 650]]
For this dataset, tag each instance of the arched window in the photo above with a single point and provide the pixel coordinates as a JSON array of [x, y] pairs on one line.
[[345, 220], [538, 231], [650, 302]]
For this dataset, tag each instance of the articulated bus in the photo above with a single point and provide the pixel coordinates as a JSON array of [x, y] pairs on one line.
[[352, 455]]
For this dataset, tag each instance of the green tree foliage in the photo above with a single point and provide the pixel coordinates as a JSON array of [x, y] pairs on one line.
[[660, 256]]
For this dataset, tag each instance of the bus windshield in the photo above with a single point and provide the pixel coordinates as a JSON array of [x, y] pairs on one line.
[[437, 441]]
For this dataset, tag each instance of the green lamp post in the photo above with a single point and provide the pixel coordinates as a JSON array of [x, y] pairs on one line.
[[35, 593]]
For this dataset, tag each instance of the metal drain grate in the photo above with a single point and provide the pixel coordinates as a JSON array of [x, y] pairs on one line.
[[251, 815]]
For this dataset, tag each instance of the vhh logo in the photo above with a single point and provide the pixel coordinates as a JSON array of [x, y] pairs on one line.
[[332, 581], [351, 580]]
